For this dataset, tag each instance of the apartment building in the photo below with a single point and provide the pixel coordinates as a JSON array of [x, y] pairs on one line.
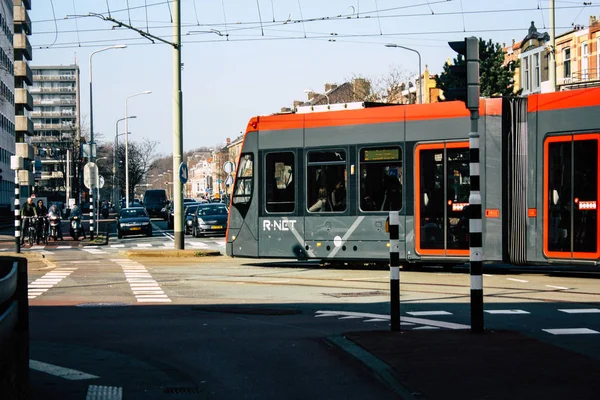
[[577, 59], [55, 118]]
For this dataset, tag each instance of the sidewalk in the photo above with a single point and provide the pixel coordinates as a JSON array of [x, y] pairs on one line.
[[497, 365]]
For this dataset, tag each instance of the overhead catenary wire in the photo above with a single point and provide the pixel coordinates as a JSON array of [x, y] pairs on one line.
[[260, 18], [196, 13], [77, 23], [302, 18]]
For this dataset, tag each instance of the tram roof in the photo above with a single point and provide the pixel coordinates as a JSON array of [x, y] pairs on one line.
[[566, 99], [370, 113]]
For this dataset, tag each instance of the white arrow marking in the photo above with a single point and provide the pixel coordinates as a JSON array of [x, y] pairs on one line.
[[61, 372], [421, 321]]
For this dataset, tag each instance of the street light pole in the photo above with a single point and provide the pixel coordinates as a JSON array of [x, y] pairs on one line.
[[320, 94], [127, 145], [178, 232], [116, 164], [119, 46], [420, 72]]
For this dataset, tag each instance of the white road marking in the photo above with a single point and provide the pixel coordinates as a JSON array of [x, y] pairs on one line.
[[426, 313], [376, 320], [117, 245], [198, 244], [61, 372], [48, 281], [95, 251], [421, 321], [580, 310], [425, 327], [571, 331], [143, 286], [104, 393], [517, 280], [506, 312], [558, 287], [64, 247], [144, 245]]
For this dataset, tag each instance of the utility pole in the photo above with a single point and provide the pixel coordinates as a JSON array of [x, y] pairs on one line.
[[177, 128], [552, 55]]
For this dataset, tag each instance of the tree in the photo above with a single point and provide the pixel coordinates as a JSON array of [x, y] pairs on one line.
[[142, 158], [496, 78]]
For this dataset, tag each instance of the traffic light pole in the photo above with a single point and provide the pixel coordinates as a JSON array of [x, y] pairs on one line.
[[177, 129], [475, 222]]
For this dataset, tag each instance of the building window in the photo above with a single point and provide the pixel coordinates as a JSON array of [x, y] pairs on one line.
[[280, 183], [536, 72], [326, 181], [526, 74], [584, 61], [381, 179], [567, 62]]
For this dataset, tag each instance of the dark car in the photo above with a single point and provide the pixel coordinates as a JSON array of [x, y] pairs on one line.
[[155, 201], [171, 211], [210, 218], [188, 218], [133, 221]]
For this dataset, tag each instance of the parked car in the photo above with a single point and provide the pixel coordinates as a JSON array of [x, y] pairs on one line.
[[155, 201], [133, 221], [188, 217], [210, 218], [171, 211]]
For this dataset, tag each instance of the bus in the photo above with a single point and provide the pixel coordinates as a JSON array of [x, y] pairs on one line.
[[319, 183]]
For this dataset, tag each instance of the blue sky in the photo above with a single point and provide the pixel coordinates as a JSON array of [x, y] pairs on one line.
[[261, 65]]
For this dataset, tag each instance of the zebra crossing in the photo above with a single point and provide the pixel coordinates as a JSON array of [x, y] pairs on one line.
[[51, 249]]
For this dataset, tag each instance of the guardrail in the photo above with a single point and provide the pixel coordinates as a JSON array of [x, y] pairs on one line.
[[14, 328]]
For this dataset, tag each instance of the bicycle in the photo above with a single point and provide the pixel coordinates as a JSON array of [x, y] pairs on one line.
[[31, 233]]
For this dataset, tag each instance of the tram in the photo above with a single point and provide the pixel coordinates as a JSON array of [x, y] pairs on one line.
[[320, 184]]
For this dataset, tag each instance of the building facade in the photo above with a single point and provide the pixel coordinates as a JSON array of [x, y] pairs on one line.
[[56, 128]]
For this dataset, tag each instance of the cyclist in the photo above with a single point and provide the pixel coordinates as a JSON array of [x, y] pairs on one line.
[[42, 212], [30, 211]]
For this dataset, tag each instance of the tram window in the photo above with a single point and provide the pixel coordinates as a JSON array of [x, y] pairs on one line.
[[280, 191], [326, 181], [243, 183], [381, 179]]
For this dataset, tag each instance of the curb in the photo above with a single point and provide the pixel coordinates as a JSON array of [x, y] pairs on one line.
[[172, 253], [381, 370]]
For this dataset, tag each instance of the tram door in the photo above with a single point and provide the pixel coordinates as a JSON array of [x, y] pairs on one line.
[[571, 192], [442, 198]]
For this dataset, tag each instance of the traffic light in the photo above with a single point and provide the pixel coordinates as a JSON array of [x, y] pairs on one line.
[[466, 75]]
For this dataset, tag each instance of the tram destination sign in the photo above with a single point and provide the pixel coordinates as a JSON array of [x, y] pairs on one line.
[[381, 154]]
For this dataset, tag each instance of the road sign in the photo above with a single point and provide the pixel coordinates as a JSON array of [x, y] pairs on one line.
[[101, 182], [183, 173], [90, 175], [229, 180], [228, 167]]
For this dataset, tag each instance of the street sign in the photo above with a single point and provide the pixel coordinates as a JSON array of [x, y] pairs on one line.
[[228, 167], [101, 182], [183, 173], [229, 180], [90, 175]]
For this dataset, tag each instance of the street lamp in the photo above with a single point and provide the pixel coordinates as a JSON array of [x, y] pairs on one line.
[[320, 94], [419, 54], [127, 145], [116, 164], [118, 46]]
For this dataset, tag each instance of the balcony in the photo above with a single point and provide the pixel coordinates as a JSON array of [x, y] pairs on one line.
[[23, 71], [54, 102], [52, 114], [54, 127], [23, 125], [44, 89], [22, 17], [54, 78], [22, 46], [24, 98], [580, 79], [25, 3]]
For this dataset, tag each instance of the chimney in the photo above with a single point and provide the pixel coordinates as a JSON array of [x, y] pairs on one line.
[[330, 86], [593, 20], [228, 140], [311, 95]]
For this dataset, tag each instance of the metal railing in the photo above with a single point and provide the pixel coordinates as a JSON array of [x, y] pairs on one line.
[[53, 102], [53, 77], [587, 75], [14, 328]]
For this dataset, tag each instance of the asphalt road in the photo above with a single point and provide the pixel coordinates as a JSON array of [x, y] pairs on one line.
[[224, 328]]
